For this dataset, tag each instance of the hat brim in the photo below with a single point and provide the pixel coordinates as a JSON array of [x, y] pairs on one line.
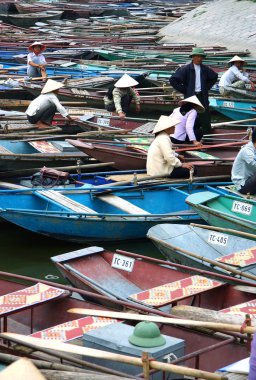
[[149, 343], [197, 107], [42, 46], [202, 55]]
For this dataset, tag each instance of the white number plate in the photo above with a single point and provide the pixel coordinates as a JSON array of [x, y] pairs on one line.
[[242, 208], [218, 239], [123, 262], [104, 122], [229, 104]]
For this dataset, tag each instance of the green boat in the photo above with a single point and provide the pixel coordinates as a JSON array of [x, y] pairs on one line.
[[223, 210]]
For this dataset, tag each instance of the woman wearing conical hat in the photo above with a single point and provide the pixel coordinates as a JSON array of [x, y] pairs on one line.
[[120, 96], [36, 62], [234, 76], [43, 108], [188, 130], [161, 158]]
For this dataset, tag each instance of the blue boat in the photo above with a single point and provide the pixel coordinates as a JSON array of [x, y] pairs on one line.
[[235, 109], [83, 215]]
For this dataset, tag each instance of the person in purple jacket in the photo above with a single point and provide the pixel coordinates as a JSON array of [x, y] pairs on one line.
[[187, 131], [252, 370]]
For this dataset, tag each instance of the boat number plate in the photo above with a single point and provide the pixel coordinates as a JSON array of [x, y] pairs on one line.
[[103, 121], [242, 208], [229, 104], [217, 238], [123, 262]]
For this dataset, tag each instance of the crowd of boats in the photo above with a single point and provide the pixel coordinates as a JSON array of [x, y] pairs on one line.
[[85, 181]]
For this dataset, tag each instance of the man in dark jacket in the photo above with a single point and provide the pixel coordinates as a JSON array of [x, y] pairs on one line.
[[196, 79]]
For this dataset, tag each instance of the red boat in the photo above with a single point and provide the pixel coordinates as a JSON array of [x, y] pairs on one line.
[[140, 282]]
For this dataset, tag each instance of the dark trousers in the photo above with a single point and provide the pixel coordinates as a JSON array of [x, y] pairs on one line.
[[125, 104], [249, 186], [180, 173], [44, 114], [205, 117]]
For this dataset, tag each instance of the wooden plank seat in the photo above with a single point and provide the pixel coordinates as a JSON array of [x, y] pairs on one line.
[[27, 298], [241, 258], [73, 329], [242, 309], [68, 203], [44, 146], [165, 294], [4, 150], [122, 204], [202, 155]]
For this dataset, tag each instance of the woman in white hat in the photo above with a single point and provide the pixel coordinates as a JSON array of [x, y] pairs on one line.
[[188, 130], [162, 159], [43, 108], [234, 76], [120, 96], [36, 61]]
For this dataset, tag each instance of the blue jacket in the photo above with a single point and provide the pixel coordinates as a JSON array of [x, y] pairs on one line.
[[183, 80]]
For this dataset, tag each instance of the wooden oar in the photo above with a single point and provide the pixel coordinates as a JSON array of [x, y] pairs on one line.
[[227, 230], [232, 122], [170, 321], [203, 258], [100, 354]]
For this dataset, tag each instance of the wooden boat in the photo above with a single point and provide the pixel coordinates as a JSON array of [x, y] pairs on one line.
[[49, 321], [205, 248], [29, 19], [235, 109], [226, 211], [15, 155], [91, 214]]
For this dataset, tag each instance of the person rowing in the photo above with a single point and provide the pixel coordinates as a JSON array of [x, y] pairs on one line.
[[120, 96], [43, 108], [188, 131], [234, 77], [36, 62]]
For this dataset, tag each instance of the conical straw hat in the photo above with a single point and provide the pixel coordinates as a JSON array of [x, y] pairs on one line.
[[126, 81], [236, 58], [22, 369], [194, 100], [51, 85], [43, 47], [165, 122]]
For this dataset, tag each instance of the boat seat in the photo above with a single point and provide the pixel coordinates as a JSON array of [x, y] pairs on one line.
[[122, 204], [4, 150], [44, 146], [73, 329], [145, 128], [242, 258], [167, 293], [202, 155], [68, 203], [232, 189], [27, 298], [11, 186], [242, 309]]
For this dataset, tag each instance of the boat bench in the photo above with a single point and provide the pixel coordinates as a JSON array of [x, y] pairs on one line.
[[241, 259], [242, 309], [202, 155], [174, 291], [122, 204], [28, 298], [62, 200], [73, 329]]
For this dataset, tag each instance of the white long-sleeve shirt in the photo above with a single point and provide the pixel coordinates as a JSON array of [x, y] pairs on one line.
[[42, 101], [244, 165], [185, 126], [233, 74], [161, 158]]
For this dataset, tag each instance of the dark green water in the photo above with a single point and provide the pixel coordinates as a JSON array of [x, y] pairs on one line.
[[26, 253]]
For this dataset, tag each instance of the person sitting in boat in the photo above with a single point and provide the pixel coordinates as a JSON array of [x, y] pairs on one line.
[[36, 61], [161, 158], [43, 108], [234, 76], [243, 173], [120, 96], [188, 131]]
